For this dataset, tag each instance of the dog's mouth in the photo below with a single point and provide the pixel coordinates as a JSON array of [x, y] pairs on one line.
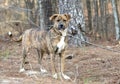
[[61, 27]]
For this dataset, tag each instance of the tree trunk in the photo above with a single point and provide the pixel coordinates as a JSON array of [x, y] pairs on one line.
[[46, 9], [102, 17], [41, 14], [74, 8], [31, 12], [88, 2], [96, 23], [105, 25], [116, 20]]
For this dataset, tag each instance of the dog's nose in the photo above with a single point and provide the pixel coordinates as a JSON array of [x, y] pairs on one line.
[[61, 26]]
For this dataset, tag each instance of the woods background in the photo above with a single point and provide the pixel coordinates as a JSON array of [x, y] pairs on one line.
[[98, 63], [99, 18]]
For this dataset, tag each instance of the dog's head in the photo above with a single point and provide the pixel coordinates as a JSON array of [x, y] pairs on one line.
[[61, 21]]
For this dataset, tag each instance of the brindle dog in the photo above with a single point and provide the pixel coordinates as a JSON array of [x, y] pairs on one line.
[[53, 42]]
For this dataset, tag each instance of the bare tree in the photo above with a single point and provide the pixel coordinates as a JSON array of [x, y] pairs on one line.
[[39, 11], [74, 8], [31, 12], [116, 20], [88, 2], [41, 14], [96, 19], [35, 13]]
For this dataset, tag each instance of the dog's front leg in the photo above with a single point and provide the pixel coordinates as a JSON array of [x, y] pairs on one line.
[[62, 62], [52, 56]]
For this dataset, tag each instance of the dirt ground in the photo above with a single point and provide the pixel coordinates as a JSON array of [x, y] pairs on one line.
[[89, 65]]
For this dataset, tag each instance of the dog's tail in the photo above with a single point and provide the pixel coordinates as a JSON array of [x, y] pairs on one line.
[[17, 39]]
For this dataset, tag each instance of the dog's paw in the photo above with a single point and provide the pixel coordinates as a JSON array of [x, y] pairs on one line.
[[55, 76], [22, 70], [43, 70], [65, 76]]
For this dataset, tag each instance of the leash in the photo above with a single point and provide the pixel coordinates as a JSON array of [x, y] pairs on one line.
[[96, 45]]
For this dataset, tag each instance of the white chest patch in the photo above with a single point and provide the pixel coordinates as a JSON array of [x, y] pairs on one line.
[[61, 44]]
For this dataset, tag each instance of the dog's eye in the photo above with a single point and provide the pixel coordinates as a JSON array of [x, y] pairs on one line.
[[64, 20], [58, 20]]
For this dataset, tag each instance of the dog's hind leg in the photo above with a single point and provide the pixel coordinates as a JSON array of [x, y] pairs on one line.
[[23, 60], [40, 56]]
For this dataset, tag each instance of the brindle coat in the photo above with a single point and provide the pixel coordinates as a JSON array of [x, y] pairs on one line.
[[47, 42]]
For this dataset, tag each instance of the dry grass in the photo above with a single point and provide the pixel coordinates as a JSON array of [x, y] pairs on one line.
[[89, 65]]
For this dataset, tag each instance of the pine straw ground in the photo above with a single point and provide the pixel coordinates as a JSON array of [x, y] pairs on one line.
[[89, 65]]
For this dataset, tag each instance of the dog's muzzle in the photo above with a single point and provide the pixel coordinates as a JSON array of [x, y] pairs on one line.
[[61, 27]]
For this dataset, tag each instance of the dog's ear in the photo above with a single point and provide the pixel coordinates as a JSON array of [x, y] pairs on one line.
[[68, 16], [52, 18]]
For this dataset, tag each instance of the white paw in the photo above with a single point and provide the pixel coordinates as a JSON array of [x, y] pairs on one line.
[[65, 76], [43, 70], [31, 72], [55, 76], [22, 70]]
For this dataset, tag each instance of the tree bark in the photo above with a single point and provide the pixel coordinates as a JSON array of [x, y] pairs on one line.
[[74, 8], [88, 2], [116, 20], [41, 14], [46, 9], [96, 23]]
